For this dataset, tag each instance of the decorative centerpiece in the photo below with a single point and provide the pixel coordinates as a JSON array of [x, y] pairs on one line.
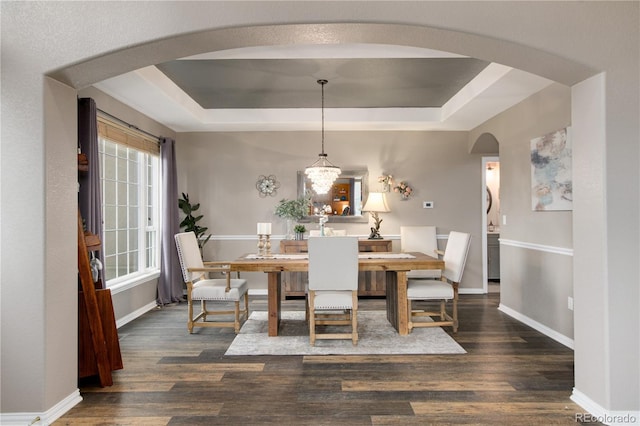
[[293, 210], [300, 230]]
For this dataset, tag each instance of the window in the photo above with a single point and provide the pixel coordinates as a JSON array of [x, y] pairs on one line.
[[130, 207]]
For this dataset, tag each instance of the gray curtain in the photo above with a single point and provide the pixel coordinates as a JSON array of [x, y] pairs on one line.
[[90, 193], [170, 283]]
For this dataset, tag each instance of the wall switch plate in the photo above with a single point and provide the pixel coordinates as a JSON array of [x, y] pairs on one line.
[[427, 204], [570, 303], [504, 219]]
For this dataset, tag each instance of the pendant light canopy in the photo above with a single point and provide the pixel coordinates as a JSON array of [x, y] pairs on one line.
[[322, 173]]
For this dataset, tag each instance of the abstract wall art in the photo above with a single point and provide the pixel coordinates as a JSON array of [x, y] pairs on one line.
[[551, 181]]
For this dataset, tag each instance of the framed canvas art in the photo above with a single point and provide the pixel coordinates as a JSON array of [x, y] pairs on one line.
[[551, 179]]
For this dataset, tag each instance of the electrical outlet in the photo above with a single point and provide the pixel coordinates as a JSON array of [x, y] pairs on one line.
[[570, 303], [427, 204]]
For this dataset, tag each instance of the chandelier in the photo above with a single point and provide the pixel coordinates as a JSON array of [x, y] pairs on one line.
[[322, 173]]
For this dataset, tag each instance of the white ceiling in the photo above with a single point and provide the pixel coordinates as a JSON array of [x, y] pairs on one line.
[[371, 87]]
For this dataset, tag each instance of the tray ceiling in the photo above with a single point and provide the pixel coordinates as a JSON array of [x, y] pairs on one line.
[[369, 88]]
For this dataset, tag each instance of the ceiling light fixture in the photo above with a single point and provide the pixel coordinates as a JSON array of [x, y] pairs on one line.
[[322, 173]]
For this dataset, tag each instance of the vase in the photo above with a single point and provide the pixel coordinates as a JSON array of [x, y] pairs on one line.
[[404, 197], [291, 235], [299, 236], [386, 187]]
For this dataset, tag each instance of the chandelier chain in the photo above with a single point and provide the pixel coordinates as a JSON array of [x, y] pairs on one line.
[[322, 83]]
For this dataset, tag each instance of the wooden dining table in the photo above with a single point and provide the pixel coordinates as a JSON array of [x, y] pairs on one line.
[[395, 265]]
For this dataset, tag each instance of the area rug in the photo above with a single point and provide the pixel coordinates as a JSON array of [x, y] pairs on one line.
[[376, 336]]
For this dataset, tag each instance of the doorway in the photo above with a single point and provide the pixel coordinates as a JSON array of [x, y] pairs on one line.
[[491, 224]]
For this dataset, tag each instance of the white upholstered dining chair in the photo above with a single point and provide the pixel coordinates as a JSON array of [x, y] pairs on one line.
[[333, 286], [215, 290], [421, 239], [442, 290]]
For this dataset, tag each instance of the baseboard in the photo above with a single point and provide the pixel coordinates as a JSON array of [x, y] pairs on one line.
[[568, 342], [595, 413], [471, 291], [135, 314], [263, 292], [42, 419]]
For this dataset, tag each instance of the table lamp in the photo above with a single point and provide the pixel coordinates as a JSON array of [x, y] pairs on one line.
[[376, 203]]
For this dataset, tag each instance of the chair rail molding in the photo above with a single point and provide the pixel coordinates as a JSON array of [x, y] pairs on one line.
[[538, 247], [248, 237]]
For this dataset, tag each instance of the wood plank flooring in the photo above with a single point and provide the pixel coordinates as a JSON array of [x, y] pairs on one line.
[[511, 375]]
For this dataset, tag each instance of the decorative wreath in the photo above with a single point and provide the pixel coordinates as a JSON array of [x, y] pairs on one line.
[[267, 185]]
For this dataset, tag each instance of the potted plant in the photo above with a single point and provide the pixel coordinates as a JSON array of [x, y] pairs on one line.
[[300, 230], [190, 222], [293, 210]]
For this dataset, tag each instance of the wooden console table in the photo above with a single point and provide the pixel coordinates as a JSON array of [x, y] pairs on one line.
[[370, 283]]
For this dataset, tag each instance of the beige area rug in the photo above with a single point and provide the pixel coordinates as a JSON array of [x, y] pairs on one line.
[[376, 336]]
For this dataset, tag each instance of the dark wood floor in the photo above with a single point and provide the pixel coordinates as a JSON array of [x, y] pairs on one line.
[[511, 375]]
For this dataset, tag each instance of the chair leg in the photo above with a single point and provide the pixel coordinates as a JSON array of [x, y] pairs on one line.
[[189, 308], [190, 315], [246, 305], [354, 319], [443, 312], [236, 322], [455, 312], [312, 319]]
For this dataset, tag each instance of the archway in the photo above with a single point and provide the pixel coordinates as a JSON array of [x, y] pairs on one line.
[[488, 146], [87, 72]]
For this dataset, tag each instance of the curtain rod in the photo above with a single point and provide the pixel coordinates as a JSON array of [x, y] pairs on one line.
[[131, 126]]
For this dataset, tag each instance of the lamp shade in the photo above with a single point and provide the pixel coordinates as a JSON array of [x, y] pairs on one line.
[[376, 202]]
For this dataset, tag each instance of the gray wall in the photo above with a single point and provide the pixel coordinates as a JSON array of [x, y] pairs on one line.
[[579, 40], [535, 277], [60, 173], [219, 170]]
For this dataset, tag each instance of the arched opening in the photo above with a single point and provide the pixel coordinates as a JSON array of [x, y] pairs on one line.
[[97, 69], [87, 72], [485, 144]]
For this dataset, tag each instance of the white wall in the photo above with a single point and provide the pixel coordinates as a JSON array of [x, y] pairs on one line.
[[564, 41]]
